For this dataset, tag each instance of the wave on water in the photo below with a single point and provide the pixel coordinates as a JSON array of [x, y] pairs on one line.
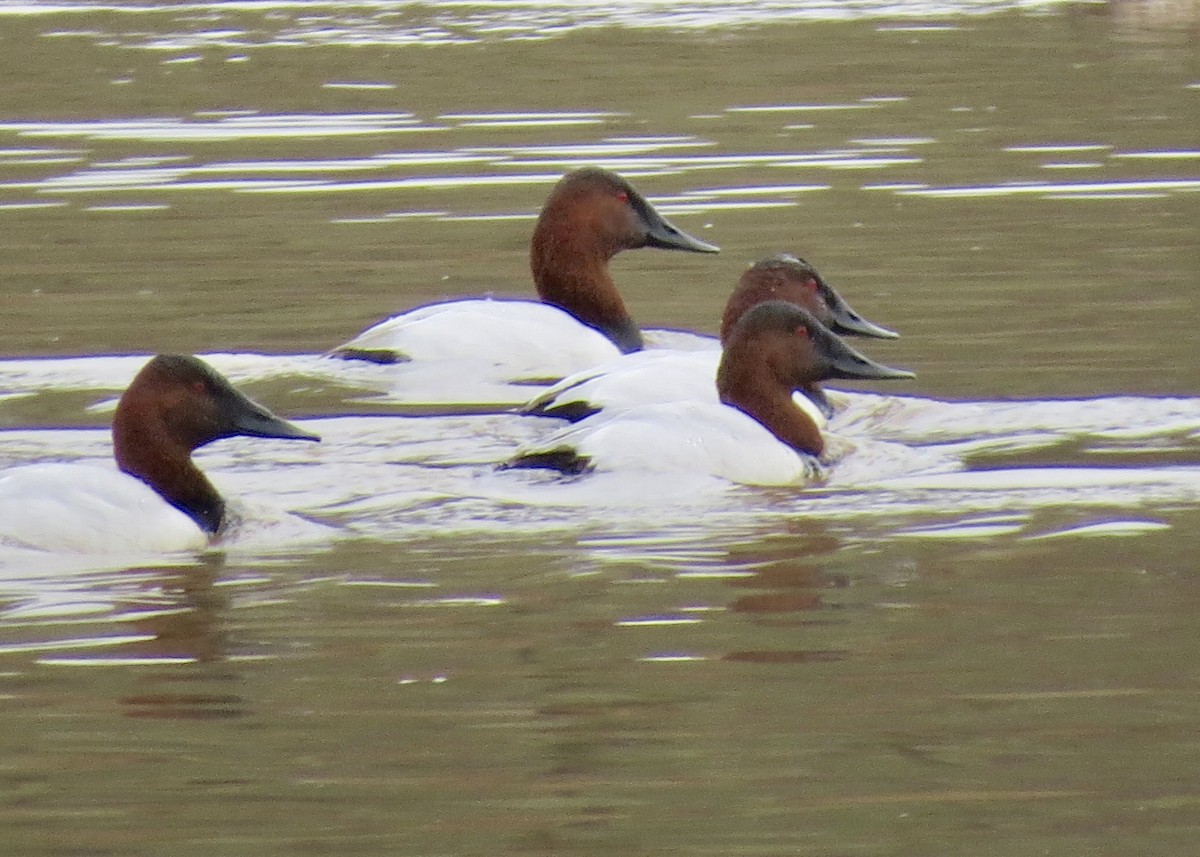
[[292, 24], [908, 465]]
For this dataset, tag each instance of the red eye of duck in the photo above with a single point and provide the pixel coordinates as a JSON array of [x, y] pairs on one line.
[[811, 284], [623, 196], [801, 330]]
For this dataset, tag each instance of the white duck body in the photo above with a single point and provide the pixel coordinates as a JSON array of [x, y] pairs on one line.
[[517, 339], [684, 436], [643, 378], [85, 508]]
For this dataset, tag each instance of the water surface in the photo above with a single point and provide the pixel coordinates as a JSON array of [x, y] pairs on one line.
[[979, 631]]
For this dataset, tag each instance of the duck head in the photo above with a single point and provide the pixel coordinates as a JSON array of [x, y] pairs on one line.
[[785, 277], [176, 404], [591, 215], [778, 348]]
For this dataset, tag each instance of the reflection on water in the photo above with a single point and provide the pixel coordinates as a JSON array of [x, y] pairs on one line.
[[1069, 190], [493, 166], [979, 628], [222, 129], [395, 24]]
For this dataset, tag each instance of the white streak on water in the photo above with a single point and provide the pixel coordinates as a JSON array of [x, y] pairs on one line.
[[593, 150], [757, 190], [24, 206], [155, 661], [224, 129], [1106, 528], [528, 116], [1043, 188], [79, 643], [1166, 155], [797, 108], [358, 86], [1060, 148], [131, 206], [1078, 165]]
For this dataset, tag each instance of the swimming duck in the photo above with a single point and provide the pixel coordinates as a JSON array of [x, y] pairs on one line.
[[158, 499], [660, 375], [755, 434], [591, 215]]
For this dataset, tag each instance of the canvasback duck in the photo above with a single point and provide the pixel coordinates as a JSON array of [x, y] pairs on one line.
[[158, 500], [591, 216], [755, 434], [660, 375]]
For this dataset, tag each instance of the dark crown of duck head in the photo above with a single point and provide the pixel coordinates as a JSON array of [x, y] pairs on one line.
[[790, 278]]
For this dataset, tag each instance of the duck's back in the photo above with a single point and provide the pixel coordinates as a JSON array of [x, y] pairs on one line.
[[516, 339], [644, 378], [686, 436], [80, 508]]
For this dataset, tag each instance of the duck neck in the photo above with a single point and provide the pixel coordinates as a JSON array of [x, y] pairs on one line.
[[772, 406], [167, 467], [575, 279]]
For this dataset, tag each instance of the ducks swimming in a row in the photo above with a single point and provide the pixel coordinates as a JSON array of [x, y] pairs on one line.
[[755, 435], [661, 375], [732, 415]]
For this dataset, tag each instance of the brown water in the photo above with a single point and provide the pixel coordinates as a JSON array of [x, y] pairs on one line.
[[477, 666]]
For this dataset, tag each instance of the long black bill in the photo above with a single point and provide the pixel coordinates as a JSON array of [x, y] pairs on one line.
[[846, 321], [251, 419], [665, 235], [842, 361]]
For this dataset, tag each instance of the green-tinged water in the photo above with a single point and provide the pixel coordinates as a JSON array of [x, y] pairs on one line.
[[479, 665]]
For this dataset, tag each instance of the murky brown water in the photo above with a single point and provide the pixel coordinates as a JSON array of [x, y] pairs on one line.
[[469, 672]]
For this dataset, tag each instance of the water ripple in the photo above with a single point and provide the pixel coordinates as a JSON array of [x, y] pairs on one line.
[[908, 472], [226, 128], [1063, 189], [522, 163], [280, 23]]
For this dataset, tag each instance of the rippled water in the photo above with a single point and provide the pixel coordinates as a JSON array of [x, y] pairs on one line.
[[979, 630]]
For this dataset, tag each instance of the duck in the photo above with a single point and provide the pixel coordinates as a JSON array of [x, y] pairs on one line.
[[672, 374], [755, 434], [157, 500], [591, 215]]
